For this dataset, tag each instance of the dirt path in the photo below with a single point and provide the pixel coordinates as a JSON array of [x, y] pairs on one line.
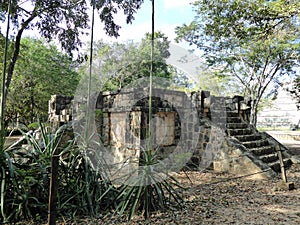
[[212, 198], [293, 146], [289, 139]]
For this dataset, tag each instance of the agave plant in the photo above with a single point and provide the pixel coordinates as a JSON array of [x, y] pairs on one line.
[[82, 190], [25, 178], [150, 191]]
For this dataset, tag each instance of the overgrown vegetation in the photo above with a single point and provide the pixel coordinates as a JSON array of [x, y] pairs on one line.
[[295, 90], [266, 45], [62, 20], [41, 71], [149, 190], [82, 191], [117, 65]]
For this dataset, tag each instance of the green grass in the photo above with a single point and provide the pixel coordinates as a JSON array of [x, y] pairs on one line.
[[276, 129]]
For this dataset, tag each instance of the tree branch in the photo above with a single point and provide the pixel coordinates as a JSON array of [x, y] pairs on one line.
[[17, 51]]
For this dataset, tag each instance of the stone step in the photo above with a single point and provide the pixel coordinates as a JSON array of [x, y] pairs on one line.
[[219, 120], [232, 114], [225, 119], [242, 131], [264, 150], [221, 125], [237, 125], [255, 144], [233, 120], [248, 137], [276, 165], [269, 158], [219, 111]]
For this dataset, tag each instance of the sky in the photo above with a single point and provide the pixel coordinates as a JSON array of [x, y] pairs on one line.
[[168, 15]]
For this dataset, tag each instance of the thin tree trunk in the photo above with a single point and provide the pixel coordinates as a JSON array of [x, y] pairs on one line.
[[151, 77], [7, 79], [253, 112], [3, 86]]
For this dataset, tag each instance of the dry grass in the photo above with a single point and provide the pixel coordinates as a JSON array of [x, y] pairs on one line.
[[212, 198]]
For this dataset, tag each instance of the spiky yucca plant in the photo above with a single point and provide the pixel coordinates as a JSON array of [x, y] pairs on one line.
[[150, 191]]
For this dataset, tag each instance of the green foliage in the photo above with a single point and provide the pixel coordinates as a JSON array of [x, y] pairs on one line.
[[48, 16], [212, 79], [107, 9], [63, 20], [253, 42], [222, 23], [150, 191], [2, 47], [82, 191], [180, 80], [33, 126], [40, 72], [26, 182], [117, 65], [25, 176], [295, 90]]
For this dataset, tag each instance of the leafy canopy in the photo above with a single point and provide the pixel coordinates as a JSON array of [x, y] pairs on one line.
[[66, 20], [117, 65], [62, 20], [255, 42], [41, 71]]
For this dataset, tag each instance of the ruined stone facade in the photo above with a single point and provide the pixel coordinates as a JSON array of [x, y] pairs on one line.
[[195, 124], [282, 114]]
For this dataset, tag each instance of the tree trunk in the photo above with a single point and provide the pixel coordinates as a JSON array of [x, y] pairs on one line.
[[253, 112], [7, 80], [3, 86], [32, 100]]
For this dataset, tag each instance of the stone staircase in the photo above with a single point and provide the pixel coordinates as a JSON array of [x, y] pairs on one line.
[[262, 147]]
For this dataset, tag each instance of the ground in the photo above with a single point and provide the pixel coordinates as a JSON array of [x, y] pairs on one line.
[[220, 198], [212, 198]]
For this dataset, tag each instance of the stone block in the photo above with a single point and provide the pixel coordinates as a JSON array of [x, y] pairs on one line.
[[284, 186]]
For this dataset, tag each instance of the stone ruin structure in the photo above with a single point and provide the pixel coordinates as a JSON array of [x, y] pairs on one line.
[[215, 131]]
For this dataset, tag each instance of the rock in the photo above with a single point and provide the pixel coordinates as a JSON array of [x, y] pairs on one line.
[[284, 186]]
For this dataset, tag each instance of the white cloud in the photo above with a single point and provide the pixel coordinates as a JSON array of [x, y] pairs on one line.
[[142, 23], [137, 32], [134, 32], [171, 4], [168, 30]]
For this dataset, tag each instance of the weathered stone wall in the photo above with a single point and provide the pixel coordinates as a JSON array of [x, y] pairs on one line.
[[180, 120], [283, 112], [235, 159], [59, 110]]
